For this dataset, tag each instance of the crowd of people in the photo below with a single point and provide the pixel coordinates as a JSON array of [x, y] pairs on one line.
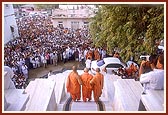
[[150, 72], [130, 72], [134, 70], [40, 44]]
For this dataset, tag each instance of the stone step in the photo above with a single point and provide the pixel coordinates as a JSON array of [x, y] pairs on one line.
[[16, 99], [84, 106], [42, 96]]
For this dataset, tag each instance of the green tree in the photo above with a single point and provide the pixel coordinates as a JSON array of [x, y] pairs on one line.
[[131, 28]]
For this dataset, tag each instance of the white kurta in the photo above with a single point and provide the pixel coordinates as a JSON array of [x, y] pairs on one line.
[[155, 79]]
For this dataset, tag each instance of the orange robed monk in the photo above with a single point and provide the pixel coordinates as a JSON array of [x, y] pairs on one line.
[[73, 84], [86, 87], [96, 54], [97, 84]]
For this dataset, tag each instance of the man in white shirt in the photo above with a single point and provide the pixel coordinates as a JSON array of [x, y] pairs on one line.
[[25, 71], [50, 73], [155, 78], [88, 63]]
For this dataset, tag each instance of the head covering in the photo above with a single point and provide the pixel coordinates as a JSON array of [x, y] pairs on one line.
[[161, 45]]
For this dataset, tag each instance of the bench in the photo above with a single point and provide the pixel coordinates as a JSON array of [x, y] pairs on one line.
[[127, 95]]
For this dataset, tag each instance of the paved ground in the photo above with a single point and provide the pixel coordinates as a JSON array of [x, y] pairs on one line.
[[41, 72]]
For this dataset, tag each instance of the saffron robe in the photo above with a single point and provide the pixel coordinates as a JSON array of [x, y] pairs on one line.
[[97, 84], [73, 85], [86, 87]]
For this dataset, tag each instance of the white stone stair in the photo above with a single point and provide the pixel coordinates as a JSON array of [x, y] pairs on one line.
[[84, 106], [16, 99], [42, 96], [106, 98]]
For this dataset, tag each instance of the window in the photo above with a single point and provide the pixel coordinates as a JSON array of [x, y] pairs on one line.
[[60, 22], [114, 66], [86, 22], [72, 15], [75, 25]]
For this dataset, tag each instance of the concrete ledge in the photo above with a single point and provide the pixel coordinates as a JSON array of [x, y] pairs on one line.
[[16, 99], [42, 97], [153, 100], [127, 95]]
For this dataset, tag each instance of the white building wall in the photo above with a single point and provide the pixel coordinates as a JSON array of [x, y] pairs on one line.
[[67, 23], [9, 20], [67, 16]]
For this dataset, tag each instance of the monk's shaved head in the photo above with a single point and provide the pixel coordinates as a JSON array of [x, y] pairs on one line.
[[97, 69], [74, 68], [86, 70]]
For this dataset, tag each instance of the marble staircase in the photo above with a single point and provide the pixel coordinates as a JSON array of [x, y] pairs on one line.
[[49, 94], [16, 99], [42, 96]]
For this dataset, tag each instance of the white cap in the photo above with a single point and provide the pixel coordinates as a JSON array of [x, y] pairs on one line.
[[161, 47]]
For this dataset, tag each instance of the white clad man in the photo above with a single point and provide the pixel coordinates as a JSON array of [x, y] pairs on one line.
[[25, 70], [103, 53], [155, 78], [85, 53], [37, 61], [64, 56], [51, 57], [88, 63], [50, 73], [55, 58]]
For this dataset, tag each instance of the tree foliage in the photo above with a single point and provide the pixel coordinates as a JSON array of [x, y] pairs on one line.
[[131, 28]]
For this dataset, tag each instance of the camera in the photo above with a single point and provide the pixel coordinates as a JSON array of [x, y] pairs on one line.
[[145, 57]]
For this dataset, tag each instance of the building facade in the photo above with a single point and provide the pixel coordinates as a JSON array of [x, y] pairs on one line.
[[75, 18], [9, 23]]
